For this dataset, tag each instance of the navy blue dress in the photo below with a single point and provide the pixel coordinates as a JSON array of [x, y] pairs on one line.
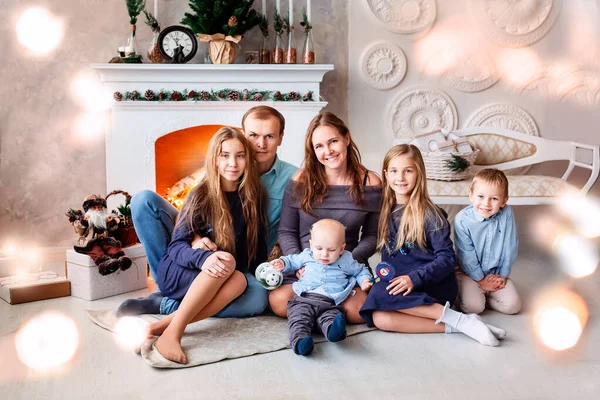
[[431, 270]]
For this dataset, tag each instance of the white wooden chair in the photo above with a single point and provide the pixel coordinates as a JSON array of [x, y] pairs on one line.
[[513, 151]]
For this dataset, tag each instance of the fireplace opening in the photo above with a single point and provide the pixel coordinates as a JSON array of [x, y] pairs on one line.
[[180, 157]]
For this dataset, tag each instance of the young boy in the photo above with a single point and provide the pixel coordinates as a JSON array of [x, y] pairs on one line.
[[329, 276], [487, 244]]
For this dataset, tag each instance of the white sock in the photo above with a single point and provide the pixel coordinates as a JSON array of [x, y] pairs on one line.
[[469, 324], [498, 332]]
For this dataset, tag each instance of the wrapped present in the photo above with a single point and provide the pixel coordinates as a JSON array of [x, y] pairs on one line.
[[457, 145], [88, 284], [33, 286], [427, 142]]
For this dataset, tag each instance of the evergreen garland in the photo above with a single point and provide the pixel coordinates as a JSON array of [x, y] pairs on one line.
[[219, 95], [457, 163], [229, 17], [134, 8]]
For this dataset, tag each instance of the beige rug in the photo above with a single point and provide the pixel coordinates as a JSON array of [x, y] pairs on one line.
[[217, 339]]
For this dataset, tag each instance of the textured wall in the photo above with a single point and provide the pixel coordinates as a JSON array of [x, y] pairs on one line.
[[44, 167]]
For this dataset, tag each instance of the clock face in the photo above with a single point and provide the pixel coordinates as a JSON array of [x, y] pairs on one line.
[[177, 38], [174, 37]]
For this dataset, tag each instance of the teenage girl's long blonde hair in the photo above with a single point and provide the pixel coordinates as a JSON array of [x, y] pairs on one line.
[[207, 206], [417, 211], [312, 181]]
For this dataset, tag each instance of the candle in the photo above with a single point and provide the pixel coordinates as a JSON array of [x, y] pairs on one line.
[[291, 12], [156, 9], [278, 6], [308, 11], [264, 7]]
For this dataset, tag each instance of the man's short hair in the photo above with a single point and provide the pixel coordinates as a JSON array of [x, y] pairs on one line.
[[491, 176], [265, 112]]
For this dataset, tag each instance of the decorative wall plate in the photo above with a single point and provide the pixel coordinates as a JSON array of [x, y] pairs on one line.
[[506, 116], [405, 16], [421, 109], [383, 65], [472, 74], [516, 23], [580, 85]]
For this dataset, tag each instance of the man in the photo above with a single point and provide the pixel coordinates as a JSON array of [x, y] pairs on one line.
[[154, 217]]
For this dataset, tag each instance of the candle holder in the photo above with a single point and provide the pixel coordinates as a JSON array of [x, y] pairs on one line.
[[290, 52], [264, 54], [308, 49], [278, 25]]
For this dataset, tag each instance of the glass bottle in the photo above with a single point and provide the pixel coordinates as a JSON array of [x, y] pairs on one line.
[[153, 53], [290, 53], [308, 50], [132, 46], [277, 56], [264, 54]]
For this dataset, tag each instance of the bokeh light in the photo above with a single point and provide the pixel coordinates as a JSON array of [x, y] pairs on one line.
[[89, 125], [39, 30], [47, 341], [585, 213], [561, 318], [89, 93], [577, 256], [130, 333], [518, 66]]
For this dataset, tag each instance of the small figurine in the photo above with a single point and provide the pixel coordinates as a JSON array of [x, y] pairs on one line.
[[93, 229], [268, 276], [178, 56]]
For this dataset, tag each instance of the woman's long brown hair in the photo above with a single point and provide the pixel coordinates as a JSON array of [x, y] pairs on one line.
[[417, 211], [312, 181], [207, 204]]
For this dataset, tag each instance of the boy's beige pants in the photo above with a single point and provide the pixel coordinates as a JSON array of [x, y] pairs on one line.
[[472, 299]]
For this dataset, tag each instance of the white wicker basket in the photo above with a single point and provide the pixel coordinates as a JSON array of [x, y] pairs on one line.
[[436, 165]]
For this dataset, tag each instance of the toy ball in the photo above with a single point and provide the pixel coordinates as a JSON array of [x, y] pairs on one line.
[[385, 271], [268, 277]]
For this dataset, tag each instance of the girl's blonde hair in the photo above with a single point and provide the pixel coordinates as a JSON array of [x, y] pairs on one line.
[[312, 180], [417, 210], [206, 210]]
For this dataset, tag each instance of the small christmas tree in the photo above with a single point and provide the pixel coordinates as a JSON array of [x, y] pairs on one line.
[[232, 17], [457, 164]]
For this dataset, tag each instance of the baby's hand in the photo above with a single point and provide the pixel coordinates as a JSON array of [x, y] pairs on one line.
[[366, 285], [278, 264]]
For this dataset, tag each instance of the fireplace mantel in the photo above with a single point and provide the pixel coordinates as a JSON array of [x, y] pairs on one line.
[[136, 125]]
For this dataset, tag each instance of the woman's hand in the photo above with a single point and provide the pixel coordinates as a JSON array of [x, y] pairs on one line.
[[278, 264], [203, 243], [219, 265], [400, 284]]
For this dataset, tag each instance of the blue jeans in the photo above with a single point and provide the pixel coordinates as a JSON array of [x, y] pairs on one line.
[[154, 220]]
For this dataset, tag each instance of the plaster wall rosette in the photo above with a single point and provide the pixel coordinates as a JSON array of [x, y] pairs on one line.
[[580, 85], [383, 66], [472, 73], [405, 16], [506, 116], [421, 109], [513, 23]]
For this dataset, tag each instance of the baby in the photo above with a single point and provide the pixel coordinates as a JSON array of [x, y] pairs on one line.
[[329, 276]]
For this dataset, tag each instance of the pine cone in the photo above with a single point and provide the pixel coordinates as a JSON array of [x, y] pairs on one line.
[[118, 96], [149, 95], [277, 95], [192, 95], [176, 96], [233, 95], [245, 95], [307, 96], [221, 95], [258, 97], [232, 21], [204, 96], [133, 95], [293, 96], [162, 96]]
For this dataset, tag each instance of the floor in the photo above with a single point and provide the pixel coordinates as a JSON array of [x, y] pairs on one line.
[[370, 365]]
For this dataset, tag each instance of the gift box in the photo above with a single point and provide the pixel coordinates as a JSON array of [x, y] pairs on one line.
[[428, 141], [33, 286], [88, 284], [454, 145]]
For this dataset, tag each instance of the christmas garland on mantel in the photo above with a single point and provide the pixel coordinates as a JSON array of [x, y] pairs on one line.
[[220, 95]]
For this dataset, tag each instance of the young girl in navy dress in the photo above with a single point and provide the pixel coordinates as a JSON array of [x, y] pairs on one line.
[[414, 237], [228, 206]]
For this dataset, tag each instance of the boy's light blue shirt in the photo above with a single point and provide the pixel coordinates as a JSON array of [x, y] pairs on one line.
[[275, 180], [486, 246], [336, 279]]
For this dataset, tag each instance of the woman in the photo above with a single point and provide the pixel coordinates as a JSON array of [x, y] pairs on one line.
[[333, 184]]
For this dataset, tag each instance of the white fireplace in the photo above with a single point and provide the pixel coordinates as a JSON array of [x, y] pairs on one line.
[[137, 125]]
